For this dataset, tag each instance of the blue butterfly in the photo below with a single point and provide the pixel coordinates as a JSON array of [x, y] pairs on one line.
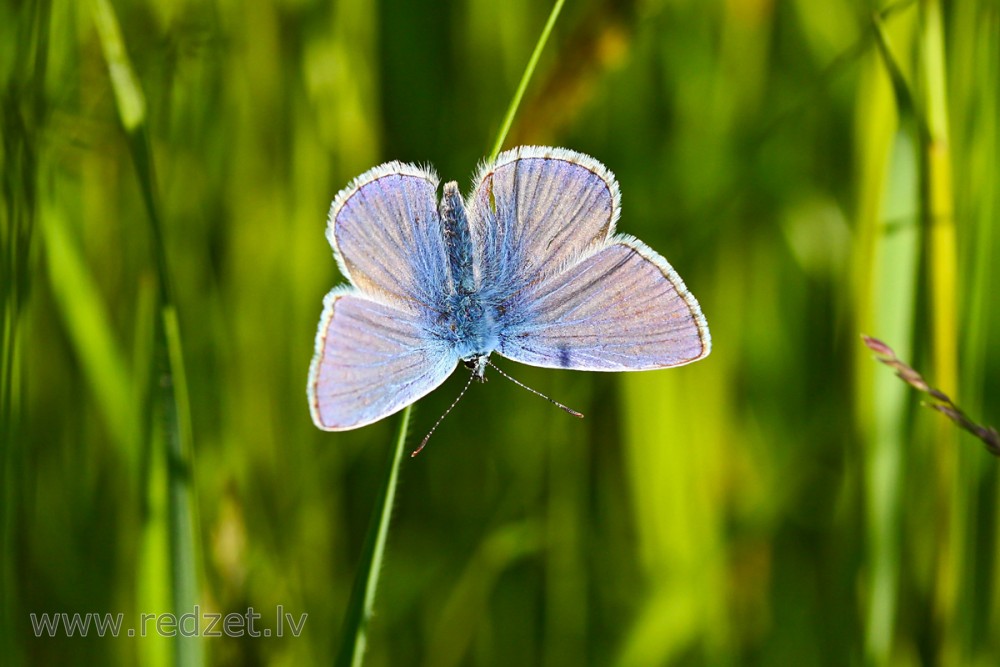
[[529, 267]]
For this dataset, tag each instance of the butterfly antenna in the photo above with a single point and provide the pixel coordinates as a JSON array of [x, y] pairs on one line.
[[423, 443], [535, 392]]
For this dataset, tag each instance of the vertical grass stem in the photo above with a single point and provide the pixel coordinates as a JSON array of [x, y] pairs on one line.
[[939, 221], [529, 71], [171, 398]]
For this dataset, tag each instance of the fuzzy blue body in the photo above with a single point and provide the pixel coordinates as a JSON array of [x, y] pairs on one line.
[[469, 322]]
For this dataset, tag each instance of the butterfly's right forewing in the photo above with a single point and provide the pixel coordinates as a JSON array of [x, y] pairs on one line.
[[371, 360], [386, 235]]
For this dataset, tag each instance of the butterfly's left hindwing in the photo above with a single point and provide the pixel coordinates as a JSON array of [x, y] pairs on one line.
[[622, 308]]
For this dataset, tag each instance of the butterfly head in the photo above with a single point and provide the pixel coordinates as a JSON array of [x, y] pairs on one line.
[[477, 364]]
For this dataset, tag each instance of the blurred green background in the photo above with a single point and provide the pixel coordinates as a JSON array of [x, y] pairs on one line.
[[814, 170]]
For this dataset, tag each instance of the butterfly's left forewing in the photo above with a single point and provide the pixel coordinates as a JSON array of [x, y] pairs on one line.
[[621, 308], [536, 208]]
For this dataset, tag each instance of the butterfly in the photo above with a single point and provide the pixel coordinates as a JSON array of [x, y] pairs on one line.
[[528, 266]]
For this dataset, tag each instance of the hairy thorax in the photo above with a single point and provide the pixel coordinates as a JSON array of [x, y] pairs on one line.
[[469, 325]]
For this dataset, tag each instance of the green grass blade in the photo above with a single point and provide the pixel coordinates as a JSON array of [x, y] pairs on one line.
[[360, 606], [171, 399], [128, 94], [184, 548], [89, 326], [942, 260], [887, 261], [977, 169], [23, 112], [508, 119]]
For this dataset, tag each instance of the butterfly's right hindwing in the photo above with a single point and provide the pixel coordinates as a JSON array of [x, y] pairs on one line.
[[371, 360]]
